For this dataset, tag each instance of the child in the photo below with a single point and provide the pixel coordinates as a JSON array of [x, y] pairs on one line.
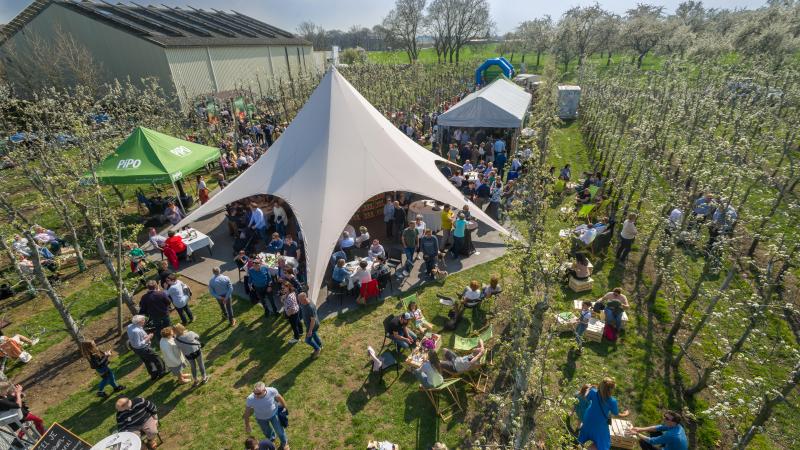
[[419, 319], [583, 324], [583, 403]]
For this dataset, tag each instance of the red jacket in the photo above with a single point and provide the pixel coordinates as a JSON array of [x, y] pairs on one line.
[[175, 243]]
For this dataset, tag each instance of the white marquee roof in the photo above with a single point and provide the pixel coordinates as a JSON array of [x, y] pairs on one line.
[[337, 153], [501, 104]]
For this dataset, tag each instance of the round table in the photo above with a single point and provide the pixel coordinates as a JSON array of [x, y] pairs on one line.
[[125, 439], [425, 208]]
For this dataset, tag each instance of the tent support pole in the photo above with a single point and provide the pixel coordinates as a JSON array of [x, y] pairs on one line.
[[178, 195]]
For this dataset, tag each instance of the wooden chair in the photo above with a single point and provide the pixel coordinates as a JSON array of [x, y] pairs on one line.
[[476, 377], [466, 344], [448, 386]]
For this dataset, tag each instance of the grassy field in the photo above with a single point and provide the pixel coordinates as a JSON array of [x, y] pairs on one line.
[[475, 54], [331, 403]]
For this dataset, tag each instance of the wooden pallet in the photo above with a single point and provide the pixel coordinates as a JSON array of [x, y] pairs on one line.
[[594, 332], [619, 438]]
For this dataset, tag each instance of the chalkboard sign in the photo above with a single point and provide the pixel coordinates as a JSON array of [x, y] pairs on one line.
[[60, 438]]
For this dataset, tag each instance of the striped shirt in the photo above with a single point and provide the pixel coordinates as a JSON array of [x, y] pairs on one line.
[[134, 418]]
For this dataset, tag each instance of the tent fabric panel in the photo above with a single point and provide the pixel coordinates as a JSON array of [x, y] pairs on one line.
[[148, 156], [482, 108]]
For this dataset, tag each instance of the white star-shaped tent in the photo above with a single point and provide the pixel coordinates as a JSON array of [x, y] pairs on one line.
[[337, 153]]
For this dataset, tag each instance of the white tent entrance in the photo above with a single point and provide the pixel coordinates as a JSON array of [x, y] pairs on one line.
[[337, 153]]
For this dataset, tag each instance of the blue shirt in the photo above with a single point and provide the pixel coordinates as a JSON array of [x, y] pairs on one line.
[[672, 438], [499, 146], [275, 246], [459, 227], [337, 256], [220, 286], [348, 242], [259, 277], [137, 336], [257, 219], [467, 167], [388, 212], [340, 274], [702, 207]]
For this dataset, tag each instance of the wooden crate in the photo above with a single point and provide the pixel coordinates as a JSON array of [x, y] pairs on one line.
[[618, 436], [594, 332], [566, 323], [580, 286]]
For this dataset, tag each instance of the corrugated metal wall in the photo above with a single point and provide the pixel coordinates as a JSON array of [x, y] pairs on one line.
[[121, 55], [200, 70], [191, 71]]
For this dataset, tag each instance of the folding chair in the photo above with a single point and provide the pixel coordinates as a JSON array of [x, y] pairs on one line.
[[395, 259], [433, 395], [466, 344], [585, 210], [407, 301], [387, 335], [335, 288], [560, 186], [383, 362], [369, 290], [593, 191]]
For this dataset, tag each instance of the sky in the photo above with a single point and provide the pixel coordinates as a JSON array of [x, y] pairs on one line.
[[342, 14]]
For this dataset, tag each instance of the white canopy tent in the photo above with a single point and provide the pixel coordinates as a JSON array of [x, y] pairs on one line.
[[501, 104], [338, 152]]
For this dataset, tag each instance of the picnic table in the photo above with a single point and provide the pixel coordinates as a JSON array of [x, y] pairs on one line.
[[195, 240]]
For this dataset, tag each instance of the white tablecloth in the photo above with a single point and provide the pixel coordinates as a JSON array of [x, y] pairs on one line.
[[128, 441], [272, 261], [433, 219], [471, 176], [196, 243], [352, 266]]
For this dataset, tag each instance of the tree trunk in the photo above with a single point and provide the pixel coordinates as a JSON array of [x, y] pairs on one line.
[[775, 204], [639, 60], [538, 56], [116, 277], [765, 412], [706, 316], [55, 298]]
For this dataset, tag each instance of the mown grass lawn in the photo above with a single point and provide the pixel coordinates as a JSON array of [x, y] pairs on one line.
[[330, 404]]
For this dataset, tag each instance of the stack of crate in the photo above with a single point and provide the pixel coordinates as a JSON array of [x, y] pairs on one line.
[[619, 438], [595, 331]]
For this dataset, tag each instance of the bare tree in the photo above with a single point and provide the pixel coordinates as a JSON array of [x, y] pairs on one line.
[[33, 62], [472, 21], [404, 23]]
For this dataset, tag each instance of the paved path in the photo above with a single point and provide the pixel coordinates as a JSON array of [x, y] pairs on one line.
[[488, 243]]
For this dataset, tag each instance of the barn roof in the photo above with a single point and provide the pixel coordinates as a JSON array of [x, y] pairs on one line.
[[167, 26]]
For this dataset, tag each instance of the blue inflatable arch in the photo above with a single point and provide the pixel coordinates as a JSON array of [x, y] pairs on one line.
[[505, 66]]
